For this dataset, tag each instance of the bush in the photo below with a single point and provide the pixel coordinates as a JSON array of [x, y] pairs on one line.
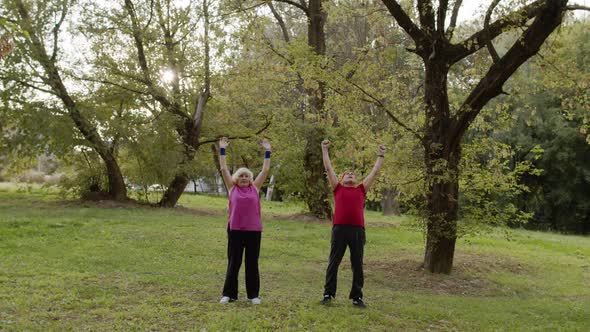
[[31, 176]]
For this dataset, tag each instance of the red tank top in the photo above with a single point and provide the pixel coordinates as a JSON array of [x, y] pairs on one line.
[[349, 205]]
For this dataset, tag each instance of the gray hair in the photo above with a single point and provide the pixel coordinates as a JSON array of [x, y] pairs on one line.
[[241, 171]]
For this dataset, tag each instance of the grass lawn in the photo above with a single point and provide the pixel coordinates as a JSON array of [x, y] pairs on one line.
[[67, 265]]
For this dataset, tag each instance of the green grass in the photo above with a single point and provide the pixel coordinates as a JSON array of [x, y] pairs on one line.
[[67, 265]]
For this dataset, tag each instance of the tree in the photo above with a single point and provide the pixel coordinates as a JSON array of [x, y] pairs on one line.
[[189, 124], [46, 24], [158, 54], [315, 191], [445, 127]]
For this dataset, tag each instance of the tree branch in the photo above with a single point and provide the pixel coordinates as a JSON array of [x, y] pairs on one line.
[[280, 21], [88, 79], [169, 44], [56, 30], [405, 22], [486, 25], [377, 102], [295, 4], [153, 91], [242, 9], [267, 124], [116, 71], [28, 85], [453, 23], [443, 5], [577, 7], [206, 89], [523, 49], [503, 24], [426, 13]]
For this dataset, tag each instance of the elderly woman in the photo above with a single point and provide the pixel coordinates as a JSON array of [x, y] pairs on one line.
[[244, 228]]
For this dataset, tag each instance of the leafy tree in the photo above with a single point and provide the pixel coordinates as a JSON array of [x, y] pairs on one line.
[[447, 123], [315, 192], [40, 71]]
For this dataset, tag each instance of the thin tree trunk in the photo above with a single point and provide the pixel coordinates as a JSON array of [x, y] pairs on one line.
[[270, 189], [389, 202]]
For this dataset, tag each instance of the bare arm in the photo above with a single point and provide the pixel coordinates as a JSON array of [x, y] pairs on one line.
[[265, 165], [368, 181], [332, 178], [223, 143]]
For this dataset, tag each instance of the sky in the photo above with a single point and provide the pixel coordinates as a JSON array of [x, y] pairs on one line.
[[469, 8]]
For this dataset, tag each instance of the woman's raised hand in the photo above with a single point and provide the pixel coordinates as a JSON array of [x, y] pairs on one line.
[[265, 144], [223, 143]]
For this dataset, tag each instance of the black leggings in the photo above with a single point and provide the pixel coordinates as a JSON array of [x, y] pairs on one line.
[[354, 238], [237, 242]]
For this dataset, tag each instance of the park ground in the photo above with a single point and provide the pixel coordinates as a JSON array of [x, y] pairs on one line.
[[96, 266]]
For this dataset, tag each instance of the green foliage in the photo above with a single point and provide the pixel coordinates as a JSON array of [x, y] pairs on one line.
[[551, 116], [558, 196], [82, 175]]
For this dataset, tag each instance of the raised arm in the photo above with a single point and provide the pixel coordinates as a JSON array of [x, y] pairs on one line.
[[265, 165], [332, 178], [223, 143], [368, 181]]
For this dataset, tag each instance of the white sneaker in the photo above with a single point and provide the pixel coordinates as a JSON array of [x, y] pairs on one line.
[[256, 300], [224, 299]]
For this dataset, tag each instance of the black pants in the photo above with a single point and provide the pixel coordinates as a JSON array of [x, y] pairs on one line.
[[354, 238], [237, 241]]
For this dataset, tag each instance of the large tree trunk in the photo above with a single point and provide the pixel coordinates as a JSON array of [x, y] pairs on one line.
[[442, 203], [441, 161], [174, 190], [316, 192], [316, 187], [117, 188]]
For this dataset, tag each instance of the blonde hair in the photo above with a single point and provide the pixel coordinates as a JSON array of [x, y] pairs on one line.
[[241, 171]]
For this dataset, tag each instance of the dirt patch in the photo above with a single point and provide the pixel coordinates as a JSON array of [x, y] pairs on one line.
[[129, 204], [469, 276], [197, 212], [382, 224]]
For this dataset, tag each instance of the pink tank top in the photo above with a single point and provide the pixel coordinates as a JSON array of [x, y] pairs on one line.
[[244, 209]]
